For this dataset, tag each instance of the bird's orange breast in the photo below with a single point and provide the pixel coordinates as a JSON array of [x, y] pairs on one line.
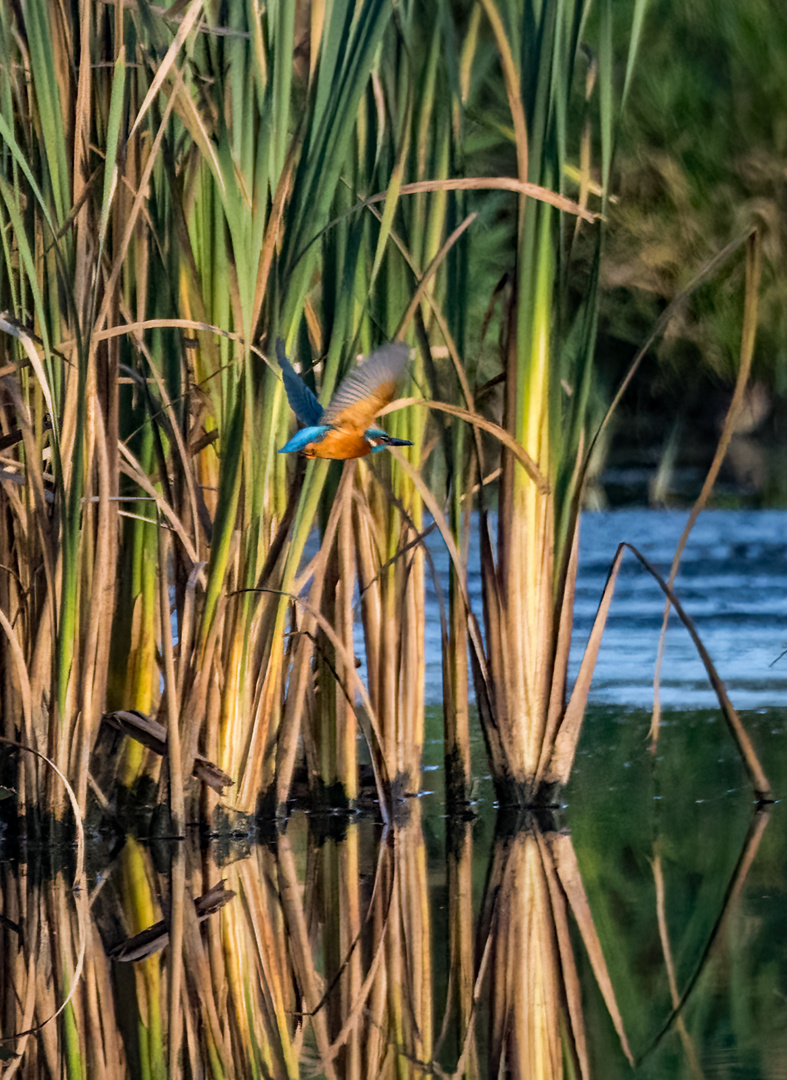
[[338, 445]]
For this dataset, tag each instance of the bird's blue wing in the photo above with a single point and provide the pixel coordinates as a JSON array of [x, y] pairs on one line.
[[302, 401], [305, 436]]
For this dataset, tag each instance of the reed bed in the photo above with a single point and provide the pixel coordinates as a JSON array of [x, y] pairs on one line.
[[180, 190], [165, 190]]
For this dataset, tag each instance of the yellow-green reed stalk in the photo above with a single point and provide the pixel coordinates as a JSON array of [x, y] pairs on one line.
[[548, 366]]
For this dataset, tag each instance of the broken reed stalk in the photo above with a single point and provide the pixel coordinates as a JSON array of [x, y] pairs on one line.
[[567, 735]]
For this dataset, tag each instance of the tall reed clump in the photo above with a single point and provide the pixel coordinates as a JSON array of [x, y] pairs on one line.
[[547, 326]]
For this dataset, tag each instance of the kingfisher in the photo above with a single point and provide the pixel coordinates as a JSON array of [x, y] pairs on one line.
[[343, 429]]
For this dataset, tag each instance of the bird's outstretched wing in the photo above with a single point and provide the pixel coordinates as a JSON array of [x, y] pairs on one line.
[[302, 401], [367, 389]]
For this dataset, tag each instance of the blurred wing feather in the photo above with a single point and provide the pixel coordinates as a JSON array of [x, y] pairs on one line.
[[367, 389], [302, 401]]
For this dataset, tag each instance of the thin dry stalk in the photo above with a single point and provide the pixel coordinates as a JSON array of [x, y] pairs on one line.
[[750, 310]]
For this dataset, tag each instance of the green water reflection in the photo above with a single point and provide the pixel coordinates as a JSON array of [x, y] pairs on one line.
[[684, 821], [641, 933]]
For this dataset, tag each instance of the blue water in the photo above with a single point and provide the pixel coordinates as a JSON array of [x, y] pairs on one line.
[[732, 582]]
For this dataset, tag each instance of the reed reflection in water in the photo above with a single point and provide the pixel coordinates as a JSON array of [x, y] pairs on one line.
[[339, 949]]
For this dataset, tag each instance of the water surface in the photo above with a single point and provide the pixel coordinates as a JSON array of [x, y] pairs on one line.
[[732, 582]]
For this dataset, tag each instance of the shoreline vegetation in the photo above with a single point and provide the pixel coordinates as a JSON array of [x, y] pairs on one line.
[[180, 189]]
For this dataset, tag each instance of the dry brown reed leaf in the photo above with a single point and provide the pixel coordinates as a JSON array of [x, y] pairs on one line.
[[557, 701], [567, 736], [140, 197], [490, 183], [132, 468], [163, 69], [513, 86], [273, 229], [481, 422], [445, 332], [9, 326], [138, 327], [153, 735], [175, 434]]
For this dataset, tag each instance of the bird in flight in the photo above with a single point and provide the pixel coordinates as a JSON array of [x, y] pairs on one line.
[[344, 429]]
